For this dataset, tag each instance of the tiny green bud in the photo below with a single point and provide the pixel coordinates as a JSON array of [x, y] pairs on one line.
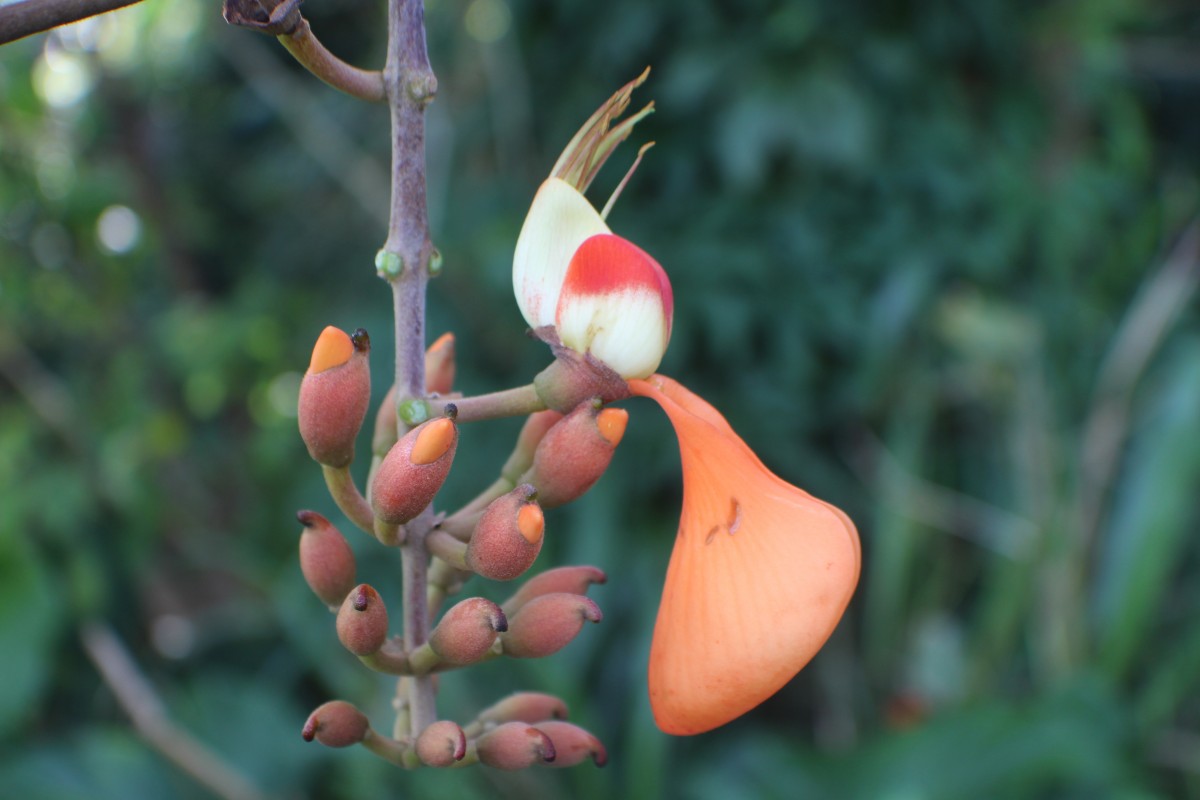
[[435, 263], [389, 265], [413, 411]]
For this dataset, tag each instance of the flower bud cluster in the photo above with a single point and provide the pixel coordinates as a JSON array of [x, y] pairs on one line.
[[557, 458]]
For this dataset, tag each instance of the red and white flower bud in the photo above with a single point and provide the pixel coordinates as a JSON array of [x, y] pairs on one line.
[[414, 470], [600, 293], [524, 707], [336, 724], [573, 580], [467, 631], [442, 744], [508, 537], [514, 745], [572, 744], [334, 395], [547, 624], [362, 621], [575, 452], [325, 559]]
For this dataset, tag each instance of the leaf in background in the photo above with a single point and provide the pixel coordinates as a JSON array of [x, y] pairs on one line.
[[1153, 517], [30, 619]]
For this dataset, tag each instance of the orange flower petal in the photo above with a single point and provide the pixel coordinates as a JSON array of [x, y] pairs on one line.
[[760, 575]]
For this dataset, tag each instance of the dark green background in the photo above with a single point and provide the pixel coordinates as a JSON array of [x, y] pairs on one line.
[[918, 257]]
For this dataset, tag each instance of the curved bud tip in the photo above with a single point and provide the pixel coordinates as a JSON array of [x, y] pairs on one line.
[[441, 744], [336, 724], [467, 631], [548, 623], [572, 580], [433, 441], [573, 745], [531, 522], [333, 348], [360, 340], [514, 745], [362, 621]]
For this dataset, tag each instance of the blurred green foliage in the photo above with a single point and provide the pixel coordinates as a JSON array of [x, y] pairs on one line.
[[925, 258]]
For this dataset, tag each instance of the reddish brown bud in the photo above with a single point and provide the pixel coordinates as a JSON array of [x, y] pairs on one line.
[[386, 424], [532, 432], [574, 454], [467, 631], [414, 470], [573, 580], [334, 395], [439, 365], [508, 537], [441, 744], [362, 621], [573, 745], [524, 707], [325, 559], [514, 745], [547, 624], [336, 724]]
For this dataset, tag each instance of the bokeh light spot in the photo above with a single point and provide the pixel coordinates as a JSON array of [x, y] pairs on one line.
[[487, 20], [61, 79], [118, 228]]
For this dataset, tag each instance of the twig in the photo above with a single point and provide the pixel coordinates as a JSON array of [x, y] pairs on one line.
[[308, 50], [18, 20], [410, 86], [138, 699]]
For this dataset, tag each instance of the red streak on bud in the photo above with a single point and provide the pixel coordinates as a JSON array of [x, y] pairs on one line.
[[608, 264], [333, 348], [432, 442]]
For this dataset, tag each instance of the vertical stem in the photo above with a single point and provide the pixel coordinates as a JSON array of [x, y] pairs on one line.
[[410, 85]]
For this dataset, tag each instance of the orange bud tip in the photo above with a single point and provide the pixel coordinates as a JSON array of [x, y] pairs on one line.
[[612, 422], [360, 340], [450, 411], [531, 522], [433, 442], [333, 348]]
